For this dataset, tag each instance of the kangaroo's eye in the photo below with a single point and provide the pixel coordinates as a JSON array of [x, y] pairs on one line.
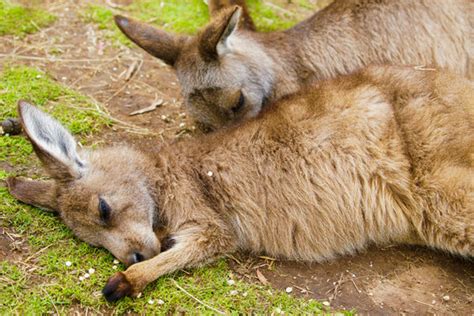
[[104, 210], [240, 104]]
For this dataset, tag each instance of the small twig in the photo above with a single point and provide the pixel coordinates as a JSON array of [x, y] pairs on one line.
[[425, 303], [37, 253], [197, 300], [54, 59], [359, 291]]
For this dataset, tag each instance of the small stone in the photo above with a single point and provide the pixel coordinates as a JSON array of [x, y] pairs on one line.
[[160, 302], [38, 76], [370, 294], [245, 294], [230, 282], [91, 271], [151, 302], [289, 289], [210, 173], [278, 310], [326, 303], [433, 302], [64, 78], [68, 263], [86, 276], [81, 278], [139, 295], [181, 125], [446, 298], [234, 292]]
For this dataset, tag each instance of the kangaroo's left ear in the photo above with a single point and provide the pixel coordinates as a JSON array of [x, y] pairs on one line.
[[53, 144], [38, 193], [214, 41]]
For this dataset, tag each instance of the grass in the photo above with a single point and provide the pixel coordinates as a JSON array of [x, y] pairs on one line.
[[189, 16], [18, 20]]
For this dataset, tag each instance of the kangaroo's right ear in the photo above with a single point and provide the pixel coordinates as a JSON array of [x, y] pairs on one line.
[[158, 43], [53, 144], [38, 193]]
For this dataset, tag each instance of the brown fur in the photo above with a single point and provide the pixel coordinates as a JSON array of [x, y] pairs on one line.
[[385, 155], [343, 37]]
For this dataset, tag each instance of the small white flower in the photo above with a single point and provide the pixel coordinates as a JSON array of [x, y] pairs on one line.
[[91, 271], [81, 278], [289, 289], [160, 302], [278, 310], [245, 294], [230, 282], [86, 276], [234, 292], [151, 302], [326, 303], [116, 261], [68, 263], [210, 173], [139, 295], [114, 267]]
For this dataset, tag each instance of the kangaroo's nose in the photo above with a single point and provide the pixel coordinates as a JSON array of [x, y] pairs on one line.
[[137, 257]]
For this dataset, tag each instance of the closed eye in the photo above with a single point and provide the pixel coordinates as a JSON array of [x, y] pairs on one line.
[[239, 105], [104, 210]]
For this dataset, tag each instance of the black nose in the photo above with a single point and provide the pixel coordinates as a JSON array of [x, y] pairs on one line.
[[137, 257]]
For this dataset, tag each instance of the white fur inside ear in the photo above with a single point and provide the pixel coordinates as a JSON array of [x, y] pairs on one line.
[[50, 136], [226, 42]]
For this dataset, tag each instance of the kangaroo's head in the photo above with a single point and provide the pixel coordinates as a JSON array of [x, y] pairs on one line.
[[224, 73], [104, 196]]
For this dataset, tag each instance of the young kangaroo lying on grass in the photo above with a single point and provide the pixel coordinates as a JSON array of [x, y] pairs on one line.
[[229, 73], [382, 156]]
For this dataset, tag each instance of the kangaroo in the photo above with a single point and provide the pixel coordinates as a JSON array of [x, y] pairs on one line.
[[385, 155], [229, 73]]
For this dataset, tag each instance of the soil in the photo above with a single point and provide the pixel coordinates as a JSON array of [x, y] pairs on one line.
[[377, 281]]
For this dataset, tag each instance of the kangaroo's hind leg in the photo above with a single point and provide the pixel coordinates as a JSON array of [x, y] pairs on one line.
[[448, 220]]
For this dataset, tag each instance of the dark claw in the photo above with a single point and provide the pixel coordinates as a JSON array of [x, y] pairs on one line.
[[117, 287]]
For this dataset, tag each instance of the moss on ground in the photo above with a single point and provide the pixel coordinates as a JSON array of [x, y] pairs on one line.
[[19, 20]]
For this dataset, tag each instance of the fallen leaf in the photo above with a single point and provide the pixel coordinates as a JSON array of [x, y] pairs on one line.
[[261, 277]]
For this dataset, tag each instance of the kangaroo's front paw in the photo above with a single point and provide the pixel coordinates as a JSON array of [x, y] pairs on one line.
[[117, 287]]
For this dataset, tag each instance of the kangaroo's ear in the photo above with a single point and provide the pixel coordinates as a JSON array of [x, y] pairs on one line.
[[158, 43], [214, 41], [53, 144], [38, 193]]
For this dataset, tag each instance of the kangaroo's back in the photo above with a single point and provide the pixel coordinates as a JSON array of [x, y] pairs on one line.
[[424, 32]]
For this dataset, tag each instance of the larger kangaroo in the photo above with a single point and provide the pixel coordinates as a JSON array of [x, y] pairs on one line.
[[382, 156], [229, 73]]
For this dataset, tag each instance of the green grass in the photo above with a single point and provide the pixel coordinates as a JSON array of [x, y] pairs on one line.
[[76, 111], [188, 16], [19, 20]]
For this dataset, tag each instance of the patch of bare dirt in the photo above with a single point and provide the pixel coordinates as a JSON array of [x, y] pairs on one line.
[[378, 281]]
